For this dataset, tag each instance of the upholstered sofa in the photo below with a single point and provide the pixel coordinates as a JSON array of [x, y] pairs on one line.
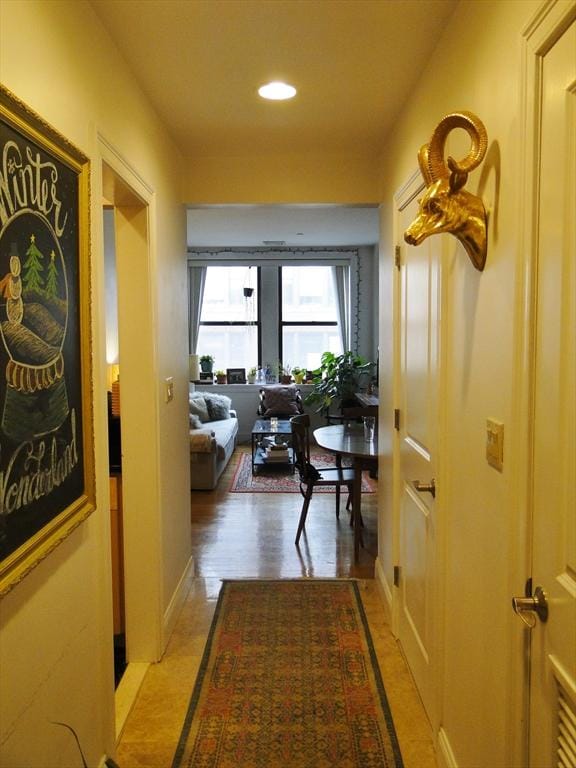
[[213, 430]]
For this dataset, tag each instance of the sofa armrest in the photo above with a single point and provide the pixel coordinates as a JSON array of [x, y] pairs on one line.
[[202, 441]]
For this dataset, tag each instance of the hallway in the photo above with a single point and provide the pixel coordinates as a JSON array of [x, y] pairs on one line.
[[239, 535]]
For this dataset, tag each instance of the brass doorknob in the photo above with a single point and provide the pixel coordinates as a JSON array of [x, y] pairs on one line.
[[425, 487], [531, 606]]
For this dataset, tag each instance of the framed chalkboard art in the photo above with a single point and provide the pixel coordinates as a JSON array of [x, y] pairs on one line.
[[46, 421]]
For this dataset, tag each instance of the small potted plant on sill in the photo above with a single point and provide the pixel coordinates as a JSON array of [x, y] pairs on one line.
[[299, 374], [221, 377], [206, 363], [284, 374], [251, 375]]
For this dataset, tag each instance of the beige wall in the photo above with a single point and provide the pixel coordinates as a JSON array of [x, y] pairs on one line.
[[476, 66], [281, 179], [56, 627]]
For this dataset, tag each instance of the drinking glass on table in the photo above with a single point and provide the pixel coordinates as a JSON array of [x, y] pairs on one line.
[[369, 427]]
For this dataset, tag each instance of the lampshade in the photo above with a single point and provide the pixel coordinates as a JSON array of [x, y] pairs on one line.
[[194, 367]]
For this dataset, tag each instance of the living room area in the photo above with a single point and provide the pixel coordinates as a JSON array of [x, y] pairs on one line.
[[271, 290]]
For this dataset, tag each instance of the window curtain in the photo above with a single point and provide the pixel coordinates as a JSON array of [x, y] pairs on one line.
[[196, 283], [341, 278]]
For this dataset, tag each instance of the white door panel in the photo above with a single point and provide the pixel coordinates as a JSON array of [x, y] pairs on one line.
[[553, 657], [417, 347]]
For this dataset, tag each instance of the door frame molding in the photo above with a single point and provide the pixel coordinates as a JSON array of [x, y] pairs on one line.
[[133, 200]]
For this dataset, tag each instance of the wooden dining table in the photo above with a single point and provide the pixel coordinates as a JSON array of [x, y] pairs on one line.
[[348, 440]]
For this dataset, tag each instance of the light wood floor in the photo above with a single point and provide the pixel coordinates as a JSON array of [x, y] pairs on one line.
[[251, 535]]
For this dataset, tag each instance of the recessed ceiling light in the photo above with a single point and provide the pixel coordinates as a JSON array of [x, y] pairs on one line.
[[277, 91]]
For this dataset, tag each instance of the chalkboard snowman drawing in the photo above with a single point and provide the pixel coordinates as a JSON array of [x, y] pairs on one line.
[[33, 314]]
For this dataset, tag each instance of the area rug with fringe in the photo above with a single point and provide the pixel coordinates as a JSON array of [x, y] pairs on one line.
[[282, 479], [288, 679]]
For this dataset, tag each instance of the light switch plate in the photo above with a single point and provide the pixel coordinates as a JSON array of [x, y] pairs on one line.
[[495, 443], [169, 391]]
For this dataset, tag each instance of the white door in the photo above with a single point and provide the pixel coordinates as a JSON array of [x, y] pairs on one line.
[[553, 653], [417, 350]]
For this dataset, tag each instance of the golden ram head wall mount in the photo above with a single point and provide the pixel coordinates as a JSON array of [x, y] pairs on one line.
[[446, 206]]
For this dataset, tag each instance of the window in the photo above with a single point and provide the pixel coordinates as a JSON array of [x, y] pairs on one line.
[[229, 323], [309, 315], [292, 316]]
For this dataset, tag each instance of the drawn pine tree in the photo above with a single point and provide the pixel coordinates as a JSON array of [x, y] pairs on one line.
[[51, 289], [32, 278]]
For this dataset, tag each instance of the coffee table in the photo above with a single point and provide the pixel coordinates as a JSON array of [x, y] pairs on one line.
[[261, 431]]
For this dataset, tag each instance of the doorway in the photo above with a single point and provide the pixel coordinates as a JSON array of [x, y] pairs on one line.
[[129, 201], [114, 443]]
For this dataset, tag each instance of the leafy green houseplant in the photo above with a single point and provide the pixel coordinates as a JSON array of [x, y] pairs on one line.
[[284, 374], [206, 363], [337, 379]]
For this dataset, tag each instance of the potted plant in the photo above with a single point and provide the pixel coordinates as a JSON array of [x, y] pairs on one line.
[[251, 375], [206, 363], [299, 374], [221, 377], [337, 379], [284, 375]]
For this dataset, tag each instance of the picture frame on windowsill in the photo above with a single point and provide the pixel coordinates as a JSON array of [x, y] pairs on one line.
[[236, 375]]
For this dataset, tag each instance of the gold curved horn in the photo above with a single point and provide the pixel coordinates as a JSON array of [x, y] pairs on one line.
[[437, 166]]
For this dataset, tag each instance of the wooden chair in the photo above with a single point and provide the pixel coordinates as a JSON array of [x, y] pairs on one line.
[[310, 476]]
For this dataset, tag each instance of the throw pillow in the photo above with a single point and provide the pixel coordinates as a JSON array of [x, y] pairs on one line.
[[280, 401], [195, 422], [218, 406], [198, 407]]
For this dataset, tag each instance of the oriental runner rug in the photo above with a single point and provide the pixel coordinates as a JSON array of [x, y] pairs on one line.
[[282, 479], [289, 679]]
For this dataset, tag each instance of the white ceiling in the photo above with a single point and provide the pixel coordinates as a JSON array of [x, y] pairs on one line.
[[200, 63], [292, 225]]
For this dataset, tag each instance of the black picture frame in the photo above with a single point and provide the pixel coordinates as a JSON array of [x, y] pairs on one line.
[[236, 375], [46, 398]]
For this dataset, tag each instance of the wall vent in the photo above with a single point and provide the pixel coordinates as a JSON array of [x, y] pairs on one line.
[[566, 747]]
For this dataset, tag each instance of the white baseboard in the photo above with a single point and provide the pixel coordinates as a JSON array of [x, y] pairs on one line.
[[383, 586], [126, 693], [444, 754], [174, 607]]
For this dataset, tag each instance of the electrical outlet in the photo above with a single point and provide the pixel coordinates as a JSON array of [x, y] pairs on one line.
[[169, 389], [495, 443]]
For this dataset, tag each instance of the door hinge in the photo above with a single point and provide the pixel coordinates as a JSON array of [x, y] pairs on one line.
[[397, 256], [397, 419], [396, 575]]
